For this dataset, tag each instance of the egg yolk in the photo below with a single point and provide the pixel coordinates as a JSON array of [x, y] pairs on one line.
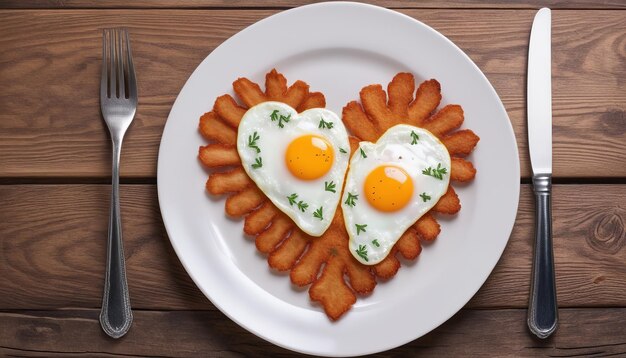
[[309, 157], [388, 188]]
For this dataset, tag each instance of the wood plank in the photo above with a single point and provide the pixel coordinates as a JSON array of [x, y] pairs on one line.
[[52, 241], [202, 4], [470, 333], [55, 130]]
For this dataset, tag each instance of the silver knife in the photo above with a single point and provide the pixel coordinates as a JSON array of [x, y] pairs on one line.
[[542, 306]]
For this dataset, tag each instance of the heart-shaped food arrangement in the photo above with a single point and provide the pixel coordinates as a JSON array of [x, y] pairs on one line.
[[390, 185], [298, 160], [281, 160]]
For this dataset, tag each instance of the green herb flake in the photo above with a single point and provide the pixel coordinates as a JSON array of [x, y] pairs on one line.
[[360, 227], [275, 116], [318, 213], [350, 199], [362, 252], [292, 198], [425, 196], [375, 243], [362, 153], [302, 206], [252, 142], [415, 137], [435, 173], [258, 163], [343, 151], [324, 124], [330, 186]]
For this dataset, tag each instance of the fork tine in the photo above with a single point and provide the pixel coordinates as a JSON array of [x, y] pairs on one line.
[[104, 82], [120, 64], [132, 80], [112, 67]]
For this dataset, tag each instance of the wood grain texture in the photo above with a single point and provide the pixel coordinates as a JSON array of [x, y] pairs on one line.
[[201, 4], [52, 249], [470, 333], [50, 124]]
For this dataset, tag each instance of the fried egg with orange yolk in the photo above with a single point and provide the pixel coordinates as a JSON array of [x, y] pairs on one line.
[[390, 185], [298, 160]]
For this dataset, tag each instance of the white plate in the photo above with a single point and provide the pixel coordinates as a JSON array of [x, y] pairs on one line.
[[338, 48]]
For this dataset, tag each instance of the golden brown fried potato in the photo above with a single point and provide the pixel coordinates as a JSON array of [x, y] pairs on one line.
[[212, 128], [219, 155], [244, 201], [227, 109], [409, 244], [446, 120], [449, 203], [275, 86], [427, 227], [400, 91], [374, 102], [296, 94], [361, 279], [269, 239], [460, 143], [259, 219], [334, 295], [249, 92], [228, 182], [314, 100], [389, 266], [358, 123], [426, 101], [462, 170], [286, 255]]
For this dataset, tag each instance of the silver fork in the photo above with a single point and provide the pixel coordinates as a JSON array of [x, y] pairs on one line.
[[118, 103]]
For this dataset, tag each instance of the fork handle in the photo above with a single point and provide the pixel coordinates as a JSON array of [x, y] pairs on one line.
[[115, 316], [542, 310]]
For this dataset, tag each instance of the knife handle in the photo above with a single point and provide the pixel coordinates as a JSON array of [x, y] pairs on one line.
[[542, 310]]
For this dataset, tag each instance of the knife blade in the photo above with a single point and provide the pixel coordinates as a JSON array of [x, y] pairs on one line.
[[542, 307]]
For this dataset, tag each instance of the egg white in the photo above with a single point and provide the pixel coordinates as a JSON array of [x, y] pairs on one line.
[[394, 147], [275, 179]]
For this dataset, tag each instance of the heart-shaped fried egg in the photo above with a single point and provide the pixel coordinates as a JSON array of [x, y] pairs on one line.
[[390, 185], [298, 160]]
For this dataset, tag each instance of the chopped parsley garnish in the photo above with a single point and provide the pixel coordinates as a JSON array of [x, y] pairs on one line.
[[330, 186], [350, 199], [360, 228], [252, 142], [318, 213], [324, 124], [362, 252], [292, 198], [425, 196], [375, 243], [362, 153], [415, 137], [435, 173], [275, 116], [302, 206], [258, 163], [343, 150]]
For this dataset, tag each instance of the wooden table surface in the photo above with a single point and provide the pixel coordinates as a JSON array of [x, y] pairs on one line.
[[55, 175]]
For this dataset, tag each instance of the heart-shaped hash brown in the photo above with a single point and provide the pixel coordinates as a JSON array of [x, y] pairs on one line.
[[325, 262], [288, 248], [375, 114]]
